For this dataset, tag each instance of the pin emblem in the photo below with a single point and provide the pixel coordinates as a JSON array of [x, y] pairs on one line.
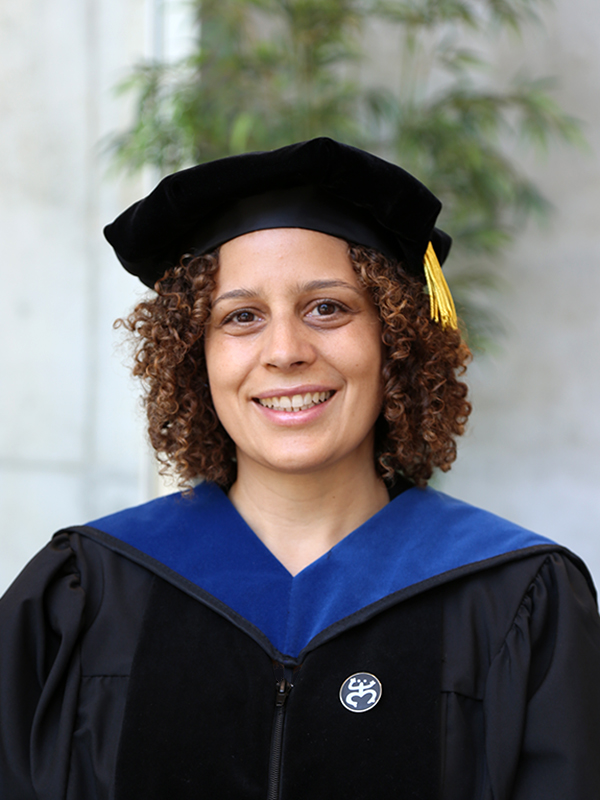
[[360, 692]]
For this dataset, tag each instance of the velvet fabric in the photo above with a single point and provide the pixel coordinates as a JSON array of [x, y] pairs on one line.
[[153, 233], [419, 534], [519, 689], [299, 207], [213, 740], [199, 708]]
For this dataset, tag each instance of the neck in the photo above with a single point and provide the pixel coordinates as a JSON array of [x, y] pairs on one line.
[[301, 517]]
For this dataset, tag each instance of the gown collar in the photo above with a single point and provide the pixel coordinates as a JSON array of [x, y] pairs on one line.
[[420, 534]]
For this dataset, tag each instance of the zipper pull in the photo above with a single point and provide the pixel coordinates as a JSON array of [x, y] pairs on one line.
[[284, 687]]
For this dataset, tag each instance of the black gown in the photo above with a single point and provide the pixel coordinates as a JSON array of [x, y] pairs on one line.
[[436, 652]]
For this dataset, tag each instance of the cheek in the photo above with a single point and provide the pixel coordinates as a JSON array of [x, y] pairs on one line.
[[216, 369], [220, 359], [374, 370], [371, 350], [362, 365], [227, 366]]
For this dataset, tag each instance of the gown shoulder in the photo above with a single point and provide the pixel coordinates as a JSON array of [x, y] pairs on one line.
[[522, 667], [69, 625]]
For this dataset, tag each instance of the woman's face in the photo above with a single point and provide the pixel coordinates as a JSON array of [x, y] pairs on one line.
[[294, 353]]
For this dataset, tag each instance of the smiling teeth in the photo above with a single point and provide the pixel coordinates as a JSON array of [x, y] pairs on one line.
[[297, 402]]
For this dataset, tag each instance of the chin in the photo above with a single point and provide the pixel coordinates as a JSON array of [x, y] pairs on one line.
[[298, 465], [311, 463]]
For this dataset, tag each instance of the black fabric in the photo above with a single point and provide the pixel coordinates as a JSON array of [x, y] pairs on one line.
[[69, 627], [153, 233], [199, 709], [299, 207], [391, 751], [213, 740], [520, 689]]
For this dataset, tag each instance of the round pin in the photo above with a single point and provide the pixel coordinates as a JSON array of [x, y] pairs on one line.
[[360, 692]]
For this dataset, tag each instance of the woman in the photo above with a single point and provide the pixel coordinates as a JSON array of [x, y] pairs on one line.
[[310, 621]]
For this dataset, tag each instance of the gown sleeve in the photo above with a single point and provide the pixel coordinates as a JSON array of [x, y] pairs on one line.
[[542, 695], [41, 617]]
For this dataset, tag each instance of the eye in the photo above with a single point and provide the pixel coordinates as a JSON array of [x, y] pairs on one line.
[[243, 316], [326, 308]]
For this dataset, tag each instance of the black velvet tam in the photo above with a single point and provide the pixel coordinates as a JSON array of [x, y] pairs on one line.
[[320, 185]]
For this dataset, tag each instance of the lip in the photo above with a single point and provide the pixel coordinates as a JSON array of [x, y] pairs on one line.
[[292, 418], [290, 391]]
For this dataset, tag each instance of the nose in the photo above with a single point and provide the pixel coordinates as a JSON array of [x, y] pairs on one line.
[[287, 344]]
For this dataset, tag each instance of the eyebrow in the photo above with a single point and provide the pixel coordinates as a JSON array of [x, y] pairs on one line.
[[246, 294], [310, 286]]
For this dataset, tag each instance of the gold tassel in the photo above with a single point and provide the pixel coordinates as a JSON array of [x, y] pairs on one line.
[[442, 304]]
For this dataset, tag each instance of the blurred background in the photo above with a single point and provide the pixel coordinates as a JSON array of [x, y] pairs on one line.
[[493, 103]]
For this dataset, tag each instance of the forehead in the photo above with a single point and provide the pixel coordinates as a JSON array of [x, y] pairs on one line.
[[283, 256]]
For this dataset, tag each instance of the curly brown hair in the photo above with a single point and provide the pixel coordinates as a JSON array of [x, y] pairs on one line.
[[425, 405]]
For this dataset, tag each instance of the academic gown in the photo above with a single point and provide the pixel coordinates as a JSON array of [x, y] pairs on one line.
[[163, 653]]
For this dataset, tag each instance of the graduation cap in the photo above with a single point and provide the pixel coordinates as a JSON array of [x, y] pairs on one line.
[[320, 184]]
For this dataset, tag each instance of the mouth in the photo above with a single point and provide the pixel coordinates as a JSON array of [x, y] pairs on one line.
[[295, 402]]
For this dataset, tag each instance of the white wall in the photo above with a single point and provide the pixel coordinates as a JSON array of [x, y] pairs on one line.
[[532, 450], [71, 443]]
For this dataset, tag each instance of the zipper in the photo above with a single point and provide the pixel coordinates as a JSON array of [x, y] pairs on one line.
[[283, 687]]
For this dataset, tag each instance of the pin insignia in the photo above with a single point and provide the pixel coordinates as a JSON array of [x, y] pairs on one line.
[[360, 692]]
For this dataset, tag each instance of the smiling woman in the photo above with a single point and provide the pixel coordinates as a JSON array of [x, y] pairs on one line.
[[423, 361], [262, 634]]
